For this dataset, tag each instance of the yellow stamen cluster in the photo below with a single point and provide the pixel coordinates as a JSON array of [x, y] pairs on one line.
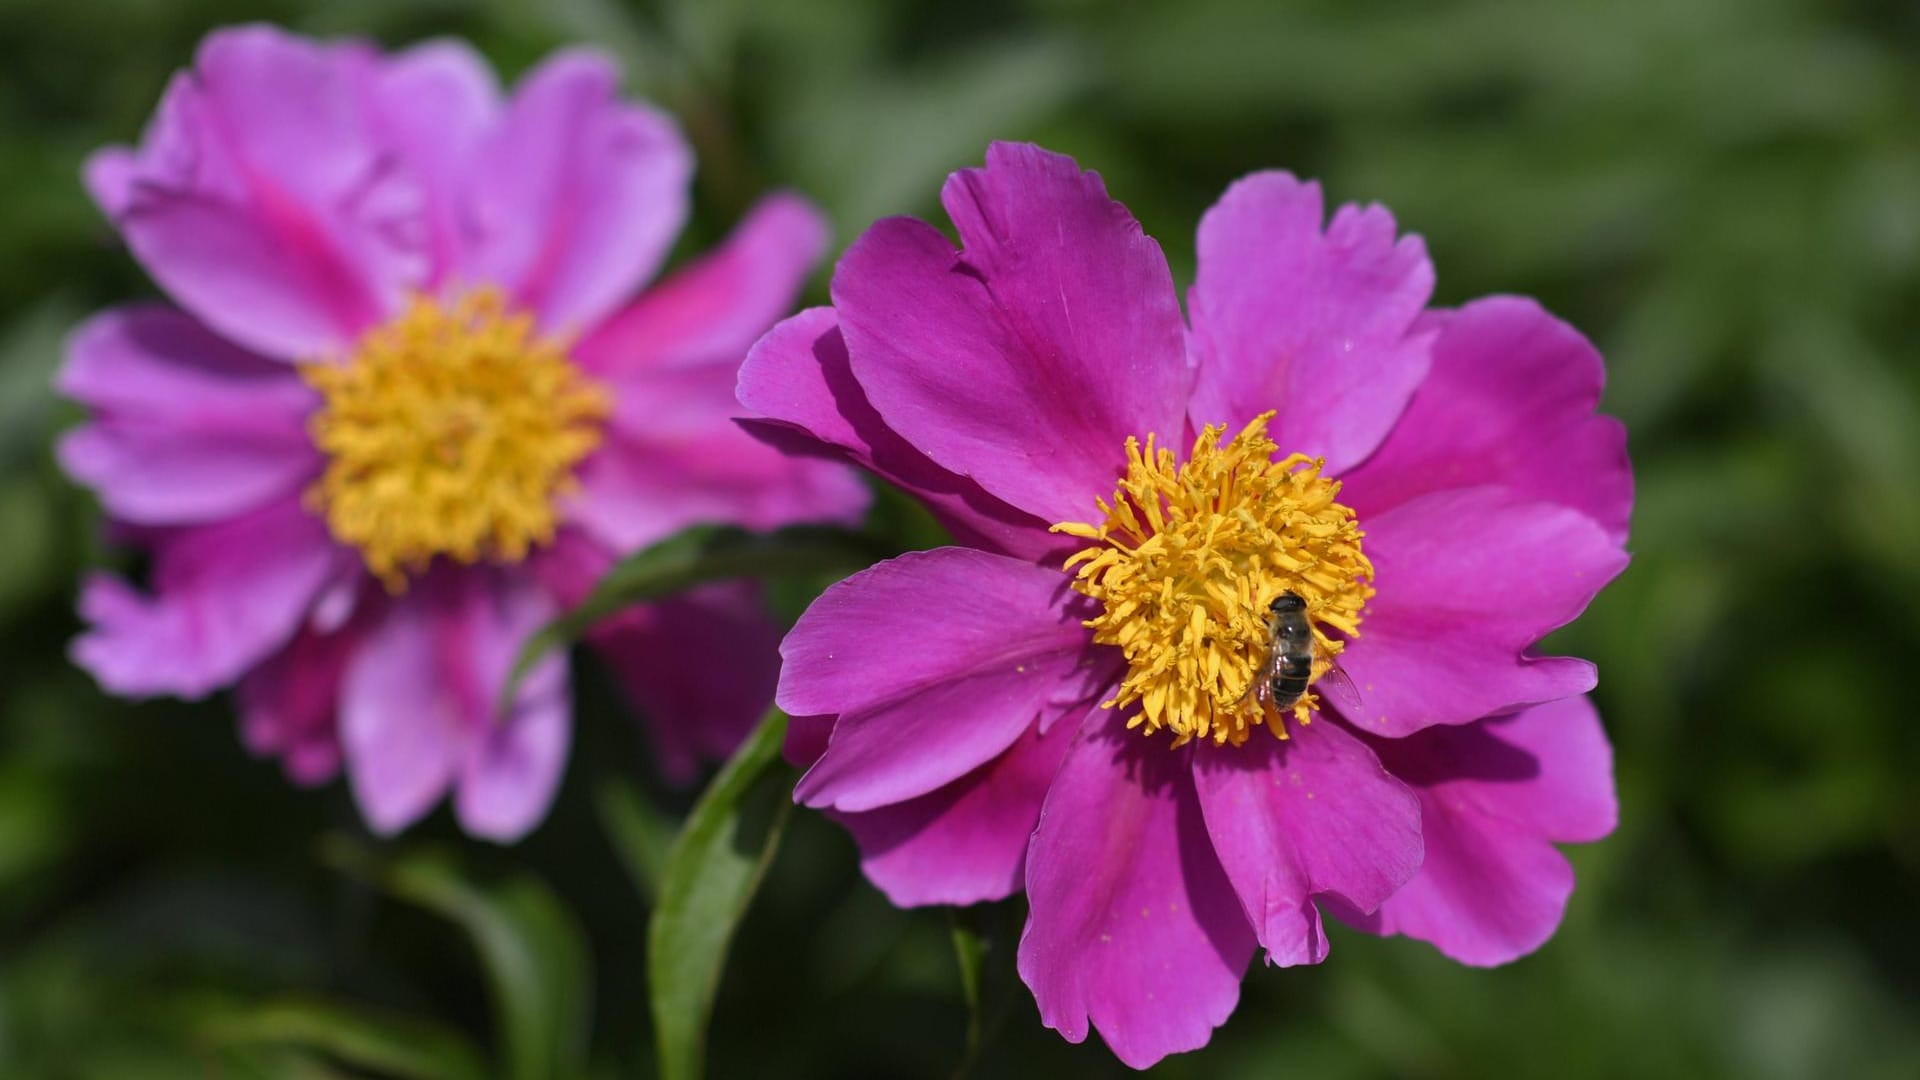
[[1186, 563], [452, 430]]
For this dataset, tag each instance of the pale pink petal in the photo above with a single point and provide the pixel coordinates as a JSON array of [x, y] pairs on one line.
[[185, 427], [1510, 401], [1024, 361], [1494, 796], [576, 196], [935, 661], [1468, 581], [223, 597], [798, 381], [1313, 816], [1134, 927], [1314, 323]]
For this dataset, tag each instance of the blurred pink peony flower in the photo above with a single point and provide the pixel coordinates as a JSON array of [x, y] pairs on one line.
[[1069, 702], [406, 410]]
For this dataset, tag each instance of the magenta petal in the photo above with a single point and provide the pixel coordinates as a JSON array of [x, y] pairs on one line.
[[1315, 324], [798, 379], [700, 666], [1025, 361], [1510, 401], [1134, 927], [935, 661], [690, 464], [966, 842], [712, 311], [575, 197], [1468, 582], [186, 428], [1313, 815], [1494, 796], [807, 738], [224, 597], [288, 705], [289, 238]]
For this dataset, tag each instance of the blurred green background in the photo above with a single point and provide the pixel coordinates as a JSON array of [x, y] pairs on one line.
[[1724, 194]]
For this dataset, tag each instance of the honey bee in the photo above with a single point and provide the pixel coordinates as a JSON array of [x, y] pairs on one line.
[[1283, 678]]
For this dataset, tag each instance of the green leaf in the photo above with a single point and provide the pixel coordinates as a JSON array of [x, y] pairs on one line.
[[698, 555], [534, 953], [388, 1045], [641, 835], [715, 866], [970, 953]]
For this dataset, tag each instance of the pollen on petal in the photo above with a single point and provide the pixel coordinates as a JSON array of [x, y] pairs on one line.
[[1188, 559]]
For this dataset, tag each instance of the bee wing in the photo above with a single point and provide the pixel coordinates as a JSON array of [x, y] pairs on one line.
[[1338, 687]]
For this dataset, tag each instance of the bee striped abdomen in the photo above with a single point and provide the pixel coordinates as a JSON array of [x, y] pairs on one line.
[[1291, 665]]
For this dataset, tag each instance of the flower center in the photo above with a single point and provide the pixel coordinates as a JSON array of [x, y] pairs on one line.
[[1187, 565], [452, 430]]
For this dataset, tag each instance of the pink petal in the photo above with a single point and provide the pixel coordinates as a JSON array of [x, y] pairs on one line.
[[712, 311], [289, 704], [575, 197], [187, 428], [692, 465], [1134, 926], [799, 380], [1024, 361], [1315, 324], [400, 728], [436, 105], [1510, 401], [674, 456], [513, 763], [807, 738], [224, 597], [935, 661], [967, 841], [700, 666], [108, 176], [417, 709], [1493, 796], [1313, 815], [1468, 582], [286, 237]]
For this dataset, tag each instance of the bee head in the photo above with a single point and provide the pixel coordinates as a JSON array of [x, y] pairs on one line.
[[1285, 603]]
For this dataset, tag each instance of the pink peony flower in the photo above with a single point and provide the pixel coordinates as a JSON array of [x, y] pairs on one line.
[[405, 411], [1071, 702]]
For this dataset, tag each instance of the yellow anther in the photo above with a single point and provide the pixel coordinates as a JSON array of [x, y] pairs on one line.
[[453, 430], [1188, 559]]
